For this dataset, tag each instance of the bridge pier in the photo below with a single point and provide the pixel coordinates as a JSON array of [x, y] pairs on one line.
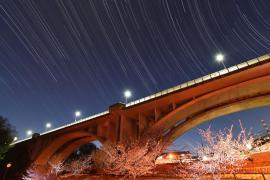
[[128, 129], [112, 134], [41, 170]]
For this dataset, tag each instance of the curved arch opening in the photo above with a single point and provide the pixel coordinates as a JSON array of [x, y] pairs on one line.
[[211, 114], [75, 156], [73, 150], [65, 144], [250, 119], [83, 151]]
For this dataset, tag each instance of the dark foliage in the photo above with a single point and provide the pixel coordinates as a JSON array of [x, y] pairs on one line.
[[7, 133], [83, 151]]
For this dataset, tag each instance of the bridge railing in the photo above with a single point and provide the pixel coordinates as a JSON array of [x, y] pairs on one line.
[[67, 125], [78, 121], [202, 79]]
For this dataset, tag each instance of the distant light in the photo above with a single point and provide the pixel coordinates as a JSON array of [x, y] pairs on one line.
[[15, 138], [249, 146], [205, 158], [48, 125], [9, 165], [78, 113], [171, 156], [160, 157], [127, 94], [29, 132], [219, 57]]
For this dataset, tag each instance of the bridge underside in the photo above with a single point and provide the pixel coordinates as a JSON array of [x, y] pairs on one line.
[[246, 95], [61, 147]]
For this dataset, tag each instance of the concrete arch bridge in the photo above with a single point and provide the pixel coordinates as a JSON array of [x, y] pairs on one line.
[[169, 113]]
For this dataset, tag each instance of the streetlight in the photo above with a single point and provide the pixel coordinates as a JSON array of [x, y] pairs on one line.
[[48, 125], [127, 94], [15, 138], [77, 114], [220, 59], [29, 132]]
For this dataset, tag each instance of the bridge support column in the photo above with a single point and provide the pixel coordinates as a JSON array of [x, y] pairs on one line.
[[41, 170], [157, 114], [102, 131], [128, 129], [112, 134], [143, 123]]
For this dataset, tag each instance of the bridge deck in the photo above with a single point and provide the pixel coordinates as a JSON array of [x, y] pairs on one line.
[[233, 69]]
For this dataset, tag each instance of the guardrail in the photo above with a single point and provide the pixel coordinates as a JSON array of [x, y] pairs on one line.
[[70, 124], [170, 90], [202, 79], [78, 121]]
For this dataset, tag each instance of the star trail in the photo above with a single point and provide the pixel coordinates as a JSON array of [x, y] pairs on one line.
[[59, 56]]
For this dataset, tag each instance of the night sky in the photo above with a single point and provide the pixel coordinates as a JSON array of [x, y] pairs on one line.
[[58, 56]]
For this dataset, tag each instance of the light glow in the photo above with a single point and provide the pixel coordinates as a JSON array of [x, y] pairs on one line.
[[48, 125], [127, 94], [171, 156], [219, 57], [78, 113], [205, 158], [29, 132], [9, 165], [249, 146], [160, 157]]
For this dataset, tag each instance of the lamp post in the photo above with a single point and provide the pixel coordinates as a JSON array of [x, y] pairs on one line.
[[127, 95], [77, 114], [220, 59]]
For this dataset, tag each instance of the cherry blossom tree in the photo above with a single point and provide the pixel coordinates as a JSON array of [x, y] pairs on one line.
[[135, 159], [222, 153], [79, 166], [50, 173]]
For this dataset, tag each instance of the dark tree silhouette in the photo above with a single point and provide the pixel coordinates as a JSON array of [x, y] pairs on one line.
[[82, 151], [7, 133]]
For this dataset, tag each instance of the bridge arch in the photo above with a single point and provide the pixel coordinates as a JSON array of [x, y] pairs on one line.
[[72, 140], [62, 155], [179, 130], [245, 95]]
